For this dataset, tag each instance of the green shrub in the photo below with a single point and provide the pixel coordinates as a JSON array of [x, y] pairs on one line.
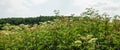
[[65, 33]]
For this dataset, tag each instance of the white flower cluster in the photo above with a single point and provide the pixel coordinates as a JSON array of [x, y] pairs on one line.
[[78, 42], [93, 40]]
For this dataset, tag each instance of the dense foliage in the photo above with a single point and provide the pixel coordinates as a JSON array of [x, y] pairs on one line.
[[90, 31], [30, 21]]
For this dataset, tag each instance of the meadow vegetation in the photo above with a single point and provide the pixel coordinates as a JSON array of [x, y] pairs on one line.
[[89, 31]]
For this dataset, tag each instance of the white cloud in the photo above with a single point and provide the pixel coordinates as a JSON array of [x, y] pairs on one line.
[[109, 6], [85, 3], [38, 1], [19, 7], [38, 7]]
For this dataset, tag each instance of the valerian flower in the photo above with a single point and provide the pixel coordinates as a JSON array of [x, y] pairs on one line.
[[89, 36], [6, 33], [49, 21], [93, 40], [78, 42], [83, 37]]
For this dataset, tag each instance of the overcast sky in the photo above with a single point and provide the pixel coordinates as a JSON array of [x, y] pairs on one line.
[[25, 8]]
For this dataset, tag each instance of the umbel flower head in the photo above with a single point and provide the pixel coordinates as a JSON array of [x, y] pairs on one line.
[[93, 40], [86, 37], [78, 42]]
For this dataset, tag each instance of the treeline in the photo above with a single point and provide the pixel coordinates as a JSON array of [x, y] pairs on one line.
[[30, 20]]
